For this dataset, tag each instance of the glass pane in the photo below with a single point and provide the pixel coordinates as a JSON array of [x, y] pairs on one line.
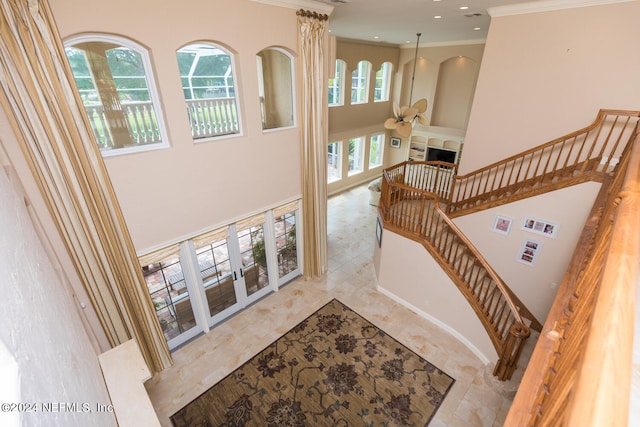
[[334, 161], [359, 80], [356, 152], [112, 81], [170, 297], [335, 84], [383, 78], [208, 85], [286, 245], [217, 277], [375, 150], [254, 258]]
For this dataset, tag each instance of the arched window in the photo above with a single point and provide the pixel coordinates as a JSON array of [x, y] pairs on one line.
[[383, 82], [360, 83], [275, 85], [116, 85], [208, 84]]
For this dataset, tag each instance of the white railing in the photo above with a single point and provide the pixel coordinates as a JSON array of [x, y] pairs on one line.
[[212, 117], [141, 122], [207, 118]]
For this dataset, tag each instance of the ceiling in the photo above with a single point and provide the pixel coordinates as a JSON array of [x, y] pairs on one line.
[[398, 21]]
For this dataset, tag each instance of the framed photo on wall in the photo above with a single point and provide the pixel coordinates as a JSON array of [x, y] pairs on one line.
[[542, 227], [529, 252], [502, 225], [395, 142]]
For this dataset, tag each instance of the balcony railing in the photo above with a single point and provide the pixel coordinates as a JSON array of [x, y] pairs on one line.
[[141, 122], [213, 117], [207, 118]]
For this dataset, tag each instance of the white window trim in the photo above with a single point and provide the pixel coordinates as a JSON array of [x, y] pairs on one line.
[[340, 77], [153, 89], [293, 93], [234, 67], [367, 82], [386, 81]]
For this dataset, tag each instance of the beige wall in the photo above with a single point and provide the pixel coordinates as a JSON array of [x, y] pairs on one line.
[[408, 274], [546, 74], [172, 193], [536, 284], [434, 79]]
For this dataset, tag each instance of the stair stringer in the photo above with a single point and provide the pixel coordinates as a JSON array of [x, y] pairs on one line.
[[466, 207]]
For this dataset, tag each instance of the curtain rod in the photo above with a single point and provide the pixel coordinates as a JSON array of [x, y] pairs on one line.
[[311, 14]]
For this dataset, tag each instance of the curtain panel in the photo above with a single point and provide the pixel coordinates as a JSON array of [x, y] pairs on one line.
[[313, 128], [46, 116]]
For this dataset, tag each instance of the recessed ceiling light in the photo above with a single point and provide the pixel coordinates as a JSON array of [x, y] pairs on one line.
[[464, 7], [437, 17], [477, 29], [376, 37]]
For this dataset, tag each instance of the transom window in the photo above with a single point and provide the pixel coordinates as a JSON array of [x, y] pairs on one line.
[[113, 76], [336, 85], [208, 84], [360, 83], [383, 81]]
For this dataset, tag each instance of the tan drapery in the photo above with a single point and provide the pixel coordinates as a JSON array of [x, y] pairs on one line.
[[313, 126], [46, 117]]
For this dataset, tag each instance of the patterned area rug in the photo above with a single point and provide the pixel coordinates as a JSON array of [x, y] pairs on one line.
[[333, 369]]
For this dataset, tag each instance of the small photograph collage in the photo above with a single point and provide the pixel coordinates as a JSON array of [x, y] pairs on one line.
[[540, 227], [530, 248]]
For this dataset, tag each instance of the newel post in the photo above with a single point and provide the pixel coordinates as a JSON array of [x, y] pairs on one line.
[[511, 351]]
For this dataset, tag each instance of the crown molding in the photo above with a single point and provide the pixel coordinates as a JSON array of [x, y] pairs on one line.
[[546, 6], [300, 4]]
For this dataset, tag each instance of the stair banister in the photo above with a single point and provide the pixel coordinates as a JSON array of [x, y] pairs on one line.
[[519, 330], [494, 275]]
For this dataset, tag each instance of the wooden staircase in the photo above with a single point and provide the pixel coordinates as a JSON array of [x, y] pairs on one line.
[[419, 199], [580, 371], [588, 154]]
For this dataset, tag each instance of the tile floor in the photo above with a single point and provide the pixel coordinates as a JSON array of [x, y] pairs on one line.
[[476, 399]]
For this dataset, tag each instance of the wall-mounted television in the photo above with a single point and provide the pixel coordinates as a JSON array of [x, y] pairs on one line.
[[439, 154]]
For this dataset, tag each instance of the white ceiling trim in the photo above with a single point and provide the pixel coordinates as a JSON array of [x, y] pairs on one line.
[[546, 6], [300, 4]]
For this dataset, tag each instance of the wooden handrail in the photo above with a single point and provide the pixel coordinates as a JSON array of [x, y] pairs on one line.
[[604, 374], [601, 149], [579, 372], [579, 155], [415, 213], [494, 275]]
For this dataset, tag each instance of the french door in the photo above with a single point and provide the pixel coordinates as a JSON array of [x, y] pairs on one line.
[[220, 272]]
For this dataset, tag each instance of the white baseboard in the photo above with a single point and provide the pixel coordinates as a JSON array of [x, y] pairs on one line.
[[483, 358]]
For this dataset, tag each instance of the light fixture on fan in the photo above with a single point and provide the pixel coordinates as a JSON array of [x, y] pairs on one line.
[[406, 116]]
